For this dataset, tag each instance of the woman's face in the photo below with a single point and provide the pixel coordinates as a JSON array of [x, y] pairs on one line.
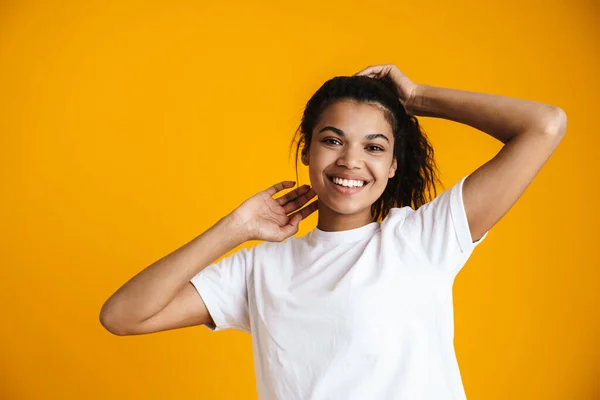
[[351, 141]]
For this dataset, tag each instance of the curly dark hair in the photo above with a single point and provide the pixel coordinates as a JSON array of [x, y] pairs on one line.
[[416, 172]]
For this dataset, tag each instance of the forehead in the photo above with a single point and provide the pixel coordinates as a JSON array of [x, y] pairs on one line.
[[355, 119]]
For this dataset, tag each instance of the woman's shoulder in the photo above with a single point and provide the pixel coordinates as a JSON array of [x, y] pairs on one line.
[[396, 215], [399, 211]]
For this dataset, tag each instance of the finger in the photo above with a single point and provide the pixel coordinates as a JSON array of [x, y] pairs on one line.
[[290, 228], [294, 220], [365, 71], [311, 208], [371, 70], [299, 201], [306, 211], [378, 71], [278, 187], [293, 194]]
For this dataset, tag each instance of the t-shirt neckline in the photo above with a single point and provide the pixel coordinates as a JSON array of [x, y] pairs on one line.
[[346, 236]]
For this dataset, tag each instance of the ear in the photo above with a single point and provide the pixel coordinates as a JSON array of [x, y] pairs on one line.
[[304, 157], [393, 168]]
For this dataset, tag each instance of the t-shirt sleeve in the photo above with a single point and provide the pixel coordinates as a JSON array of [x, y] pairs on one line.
[[440, 230], [223, 287]]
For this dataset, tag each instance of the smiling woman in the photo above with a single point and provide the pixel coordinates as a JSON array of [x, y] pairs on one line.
[[360, 306]]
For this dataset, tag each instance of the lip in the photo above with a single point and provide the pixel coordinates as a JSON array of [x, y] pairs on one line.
[[349, 176], [347, 191]]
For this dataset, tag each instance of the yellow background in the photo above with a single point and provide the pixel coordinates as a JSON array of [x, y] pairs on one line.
[[127, 129]]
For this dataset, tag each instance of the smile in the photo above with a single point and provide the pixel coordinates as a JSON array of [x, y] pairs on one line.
[[347, 186]]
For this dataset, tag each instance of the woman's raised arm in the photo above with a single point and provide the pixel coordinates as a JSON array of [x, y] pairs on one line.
[[529, 130], [160, 297]]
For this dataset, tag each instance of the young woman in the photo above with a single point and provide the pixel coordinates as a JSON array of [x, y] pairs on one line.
[[361, 306]]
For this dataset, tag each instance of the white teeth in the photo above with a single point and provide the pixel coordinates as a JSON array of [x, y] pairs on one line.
[[347, 182]]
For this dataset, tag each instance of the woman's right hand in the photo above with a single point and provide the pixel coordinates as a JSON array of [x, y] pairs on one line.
[[264, 218]]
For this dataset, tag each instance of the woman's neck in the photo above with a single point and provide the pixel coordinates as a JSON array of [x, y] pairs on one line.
[[331, 221]]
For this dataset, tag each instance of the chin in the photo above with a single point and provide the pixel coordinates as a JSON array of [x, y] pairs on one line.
[[344, 207]]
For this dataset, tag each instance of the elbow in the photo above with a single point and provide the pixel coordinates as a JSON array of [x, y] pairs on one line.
[[557, 124], [110, 323]]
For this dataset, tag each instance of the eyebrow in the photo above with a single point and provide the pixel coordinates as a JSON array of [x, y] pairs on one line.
[[372, 136]]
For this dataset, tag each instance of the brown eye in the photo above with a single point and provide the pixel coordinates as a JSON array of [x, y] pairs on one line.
[[377, 148], [328, 140]]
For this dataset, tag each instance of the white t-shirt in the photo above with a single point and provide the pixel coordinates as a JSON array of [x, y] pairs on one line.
[[364, 313]]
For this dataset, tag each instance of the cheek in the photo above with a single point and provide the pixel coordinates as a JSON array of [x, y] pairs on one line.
[[381, 169], [317, 179], [317, 165]]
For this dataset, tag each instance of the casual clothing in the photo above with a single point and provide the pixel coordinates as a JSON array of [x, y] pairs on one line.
[[364, 313]]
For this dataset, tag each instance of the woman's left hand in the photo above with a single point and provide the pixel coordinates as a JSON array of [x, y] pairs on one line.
[[406, 88]]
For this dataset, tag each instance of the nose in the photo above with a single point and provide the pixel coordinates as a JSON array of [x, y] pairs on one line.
[[351, 157]]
